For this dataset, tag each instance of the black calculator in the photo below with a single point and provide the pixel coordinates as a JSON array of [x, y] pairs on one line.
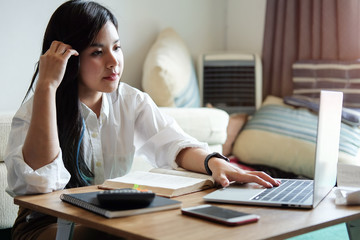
[[125, 198]]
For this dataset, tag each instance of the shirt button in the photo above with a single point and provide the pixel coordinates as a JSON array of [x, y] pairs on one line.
[[98, 164], [94, 135]]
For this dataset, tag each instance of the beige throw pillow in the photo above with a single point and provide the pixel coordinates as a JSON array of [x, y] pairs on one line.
[[168, 74]]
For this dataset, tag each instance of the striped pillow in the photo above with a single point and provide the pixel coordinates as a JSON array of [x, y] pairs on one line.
[[284, 137], [311, 76]]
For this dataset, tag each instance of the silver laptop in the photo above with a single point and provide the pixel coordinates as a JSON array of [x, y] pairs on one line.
[[298, 193]]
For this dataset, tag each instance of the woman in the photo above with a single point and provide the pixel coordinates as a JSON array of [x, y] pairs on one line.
[[82, 126]]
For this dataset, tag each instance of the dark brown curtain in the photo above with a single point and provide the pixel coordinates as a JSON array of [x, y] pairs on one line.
[[306, 29]]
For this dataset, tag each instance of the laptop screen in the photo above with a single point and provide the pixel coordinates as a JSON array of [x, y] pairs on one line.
[[327, 147]]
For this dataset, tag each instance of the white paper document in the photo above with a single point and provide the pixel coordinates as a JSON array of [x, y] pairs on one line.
[[348, 176], [347, 191]]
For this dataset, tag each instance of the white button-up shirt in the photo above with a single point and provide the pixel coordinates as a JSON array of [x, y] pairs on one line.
[[129, 122]]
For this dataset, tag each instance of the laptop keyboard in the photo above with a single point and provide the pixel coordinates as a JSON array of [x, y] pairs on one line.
[[289, 191]]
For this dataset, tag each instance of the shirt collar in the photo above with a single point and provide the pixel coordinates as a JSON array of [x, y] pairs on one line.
[[104, 112]]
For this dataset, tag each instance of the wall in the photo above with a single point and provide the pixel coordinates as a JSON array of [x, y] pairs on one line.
[[205, 25], [200, 23], [245, 25], [22, 25]]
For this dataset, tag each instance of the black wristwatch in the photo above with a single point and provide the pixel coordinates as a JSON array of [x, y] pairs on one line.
[[211, 155]]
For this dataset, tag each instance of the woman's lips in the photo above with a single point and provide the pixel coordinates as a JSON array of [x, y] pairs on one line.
[[112, 77]]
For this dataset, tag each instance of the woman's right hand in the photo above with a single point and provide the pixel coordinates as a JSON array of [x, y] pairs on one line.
[[42, 142], [53, 63]]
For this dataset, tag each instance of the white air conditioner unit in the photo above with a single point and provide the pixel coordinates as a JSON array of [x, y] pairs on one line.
[[231, 81]]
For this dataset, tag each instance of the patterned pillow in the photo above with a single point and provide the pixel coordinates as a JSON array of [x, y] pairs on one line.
[[284, 137], [169, 75], [310, 76]]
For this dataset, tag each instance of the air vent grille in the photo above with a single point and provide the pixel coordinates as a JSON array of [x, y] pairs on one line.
[[230, 83]]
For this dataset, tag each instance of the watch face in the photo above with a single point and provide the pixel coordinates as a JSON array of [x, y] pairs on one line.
[[219, 155]]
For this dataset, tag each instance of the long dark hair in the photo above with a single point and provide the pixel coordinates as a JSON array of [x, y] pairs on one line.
[[76, 23]]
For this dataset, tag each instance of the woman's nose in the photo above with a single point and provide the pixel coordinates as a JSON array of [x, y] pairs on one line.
[[112, 61]]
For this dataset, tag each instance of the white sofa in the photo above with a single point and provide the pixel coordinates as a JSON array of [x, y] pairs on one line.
[[205, 124], [8, 210]]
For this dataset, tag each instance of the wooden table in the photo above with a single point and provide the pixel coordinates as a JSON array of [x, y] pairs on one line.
[[274, 223]]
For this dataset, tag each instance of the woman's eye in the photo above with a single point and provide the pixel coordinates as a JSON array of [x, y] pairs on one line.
[[96, 53], [117, 48]]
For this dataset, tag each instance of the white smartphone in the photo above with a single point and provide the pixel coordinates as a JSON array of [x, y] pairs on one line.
[[220, 214]]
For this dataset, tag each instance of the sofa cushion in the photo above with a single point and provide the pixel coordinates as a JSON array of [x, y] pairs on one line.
[[284, 137], [168, 74], [205, 124]]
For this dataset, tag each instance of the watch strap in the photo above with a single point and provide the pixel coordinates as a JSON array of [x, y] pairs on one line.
[[211, 155]]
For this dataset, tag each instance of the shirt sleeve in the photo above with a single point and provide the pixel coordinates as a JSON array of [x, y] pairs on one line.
[[22, 179], [160, 137]]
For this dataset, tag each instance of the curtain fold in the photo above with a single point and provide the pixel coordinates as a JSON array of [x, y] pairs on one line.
[[306, 29]]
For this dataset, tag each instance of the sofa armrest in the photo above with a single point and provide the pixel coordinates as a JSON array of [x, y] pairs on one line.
[[205, 124], [5, 127], [8, 209]]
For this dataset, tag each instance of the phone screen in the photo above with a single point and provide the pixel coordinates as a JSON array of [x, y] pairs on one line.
[[220, 212], [221, 215]]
